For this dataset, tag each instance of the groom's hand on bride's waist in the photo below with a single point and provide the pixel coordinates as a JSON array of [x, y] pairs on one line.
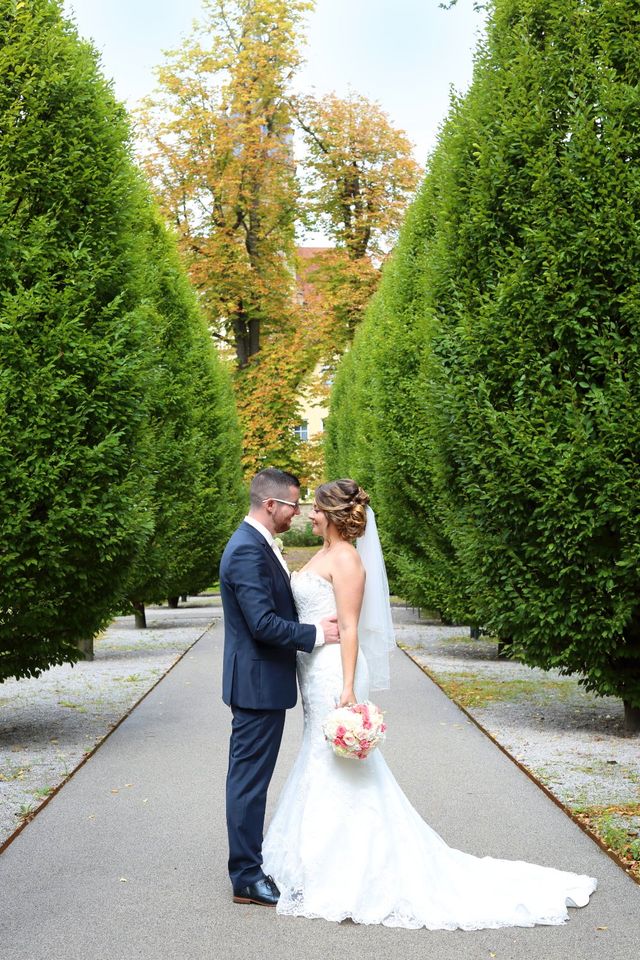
[[330, 630]]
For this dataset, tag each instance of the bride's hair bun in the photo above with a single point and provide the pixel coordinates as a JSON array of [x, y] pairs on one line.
[[345, 503]]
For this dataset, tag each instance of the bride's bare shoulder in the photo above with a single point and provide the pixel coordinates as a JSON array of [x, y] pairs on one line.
[[346, 560]]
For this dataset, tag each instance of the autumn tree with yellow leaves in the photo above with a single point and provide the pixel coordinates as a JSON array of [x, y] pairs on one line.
[[218, 146], [360, 176]]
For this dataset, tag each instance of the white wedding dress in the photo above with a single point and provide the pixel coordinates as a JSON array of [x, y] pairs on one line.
[[345, 842]]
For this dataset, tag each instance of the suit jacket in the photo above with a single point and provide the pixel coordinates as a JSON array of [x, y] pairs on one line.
[[261, 628]]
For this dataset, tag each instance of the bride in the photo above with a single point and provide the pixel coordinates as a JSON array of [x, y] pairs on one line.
[[344, 841]]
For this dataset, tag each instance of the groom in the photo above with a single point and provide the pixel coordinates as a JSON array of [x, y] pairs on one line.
[[261, 637]]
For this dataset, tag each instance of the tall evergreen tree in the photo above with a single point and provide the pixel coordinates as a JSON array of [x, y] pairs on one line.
[[73, 378], [533, 364], [348, 441], [420, 554], [378, 425], [195, 449]]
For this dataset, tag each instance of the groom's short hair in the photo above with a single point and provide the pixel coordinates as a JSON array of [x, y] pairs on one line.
[[271, 482]]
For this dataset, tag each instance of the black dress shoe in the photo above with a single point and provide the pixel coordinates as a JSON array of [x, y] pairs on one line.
[[264, 892]]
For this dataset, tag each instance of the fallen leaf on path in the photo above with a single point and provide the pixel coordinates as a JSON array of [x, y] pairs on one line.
[[602, 928], [123, 880]]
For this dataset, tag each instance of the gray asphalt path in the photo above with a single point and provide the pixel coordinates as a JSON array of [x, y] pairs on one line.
[[129, 859]]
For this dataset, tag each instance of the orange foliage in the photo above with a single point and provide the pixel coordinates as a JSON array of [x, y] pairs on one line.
[[361, 172], [218, 148], [267, 392], [360, 177]]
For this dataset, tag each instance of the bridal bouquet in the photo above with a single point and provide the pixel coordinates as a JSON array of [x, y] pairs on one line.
[[354, 731]]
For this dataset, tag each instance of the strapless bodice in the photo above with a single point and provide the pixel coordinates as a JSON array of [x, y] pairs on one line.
[[320, 672], [313, 595]]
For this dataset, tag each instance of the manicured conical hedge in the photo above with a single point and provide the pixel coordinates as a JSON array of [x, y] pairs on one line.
[[119, 449], [194, 456], [378, 432], [351, 425], [533, 357], [522, 366], [74, 498]]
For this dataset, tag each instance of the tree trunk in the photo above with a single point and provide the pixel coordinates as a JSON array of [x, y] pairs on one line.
[[246, 335], [254, 336], [631, 718], [242, 352], [241, 337], [86, 648], [139, 613], [173, 602], [503, 647]]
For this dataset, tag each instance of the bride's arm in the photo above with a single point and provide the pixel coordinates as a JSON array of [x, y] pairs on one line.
[[348, 586]]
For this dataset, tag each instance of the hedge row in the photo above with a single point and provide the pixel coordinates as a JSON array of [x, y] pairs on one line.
[[119, 447], [497, 375]]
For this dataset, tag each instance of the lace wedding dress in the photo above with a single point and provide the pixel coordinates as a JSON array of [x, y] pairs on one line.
[[345, 842]]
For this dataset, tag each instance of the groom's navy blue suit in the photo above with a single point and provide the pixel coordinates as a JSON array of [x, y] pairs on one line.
[[261, 637]]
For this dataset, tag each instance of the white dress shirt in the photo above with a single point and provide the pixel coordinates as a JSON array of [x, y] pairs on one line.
[[260, 527]]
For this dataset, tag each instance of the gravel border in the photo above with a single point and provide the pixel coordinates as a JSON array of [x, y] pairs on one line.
[[570, 741], [49, 725]]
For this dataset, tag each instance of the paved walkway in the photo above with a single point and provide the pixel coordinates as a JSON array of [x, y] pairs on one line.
[[128, 860]]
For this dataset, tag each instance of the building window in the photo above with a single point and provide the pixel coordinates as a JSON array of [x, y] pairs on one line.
[[302, 431], [327, 373]]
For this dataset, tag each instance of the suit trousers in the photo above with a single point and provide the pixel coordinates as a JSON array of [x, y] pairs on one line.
[[253, 751]]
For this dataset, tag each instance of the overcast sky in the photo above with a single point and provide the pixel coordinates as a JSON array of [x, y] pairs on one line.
[[406, 54]]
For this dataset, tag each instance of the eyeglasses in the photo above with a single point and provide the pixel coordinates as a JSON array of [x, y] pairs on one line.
[[289, 503]]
